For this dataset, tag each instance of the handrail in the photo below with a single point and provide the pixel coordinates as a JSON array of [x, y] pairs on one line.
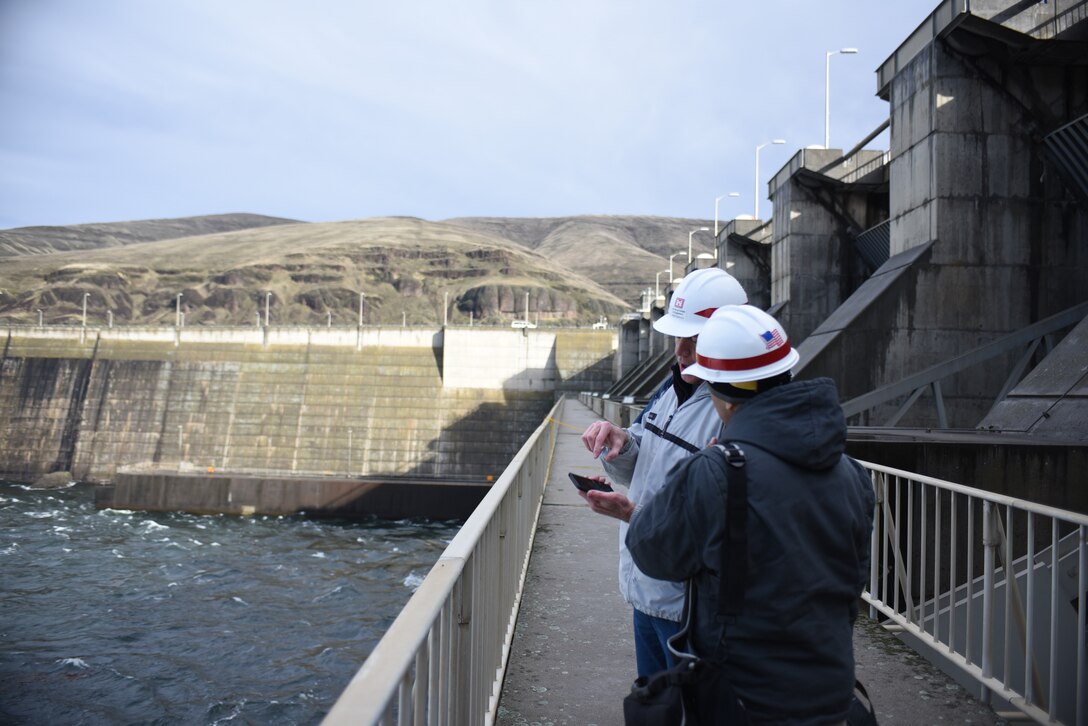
[[1012, 635], [443, 658]]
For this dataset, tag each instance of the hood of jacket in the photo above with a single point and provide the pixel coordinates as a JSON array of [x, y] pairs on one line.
[[800, 422]]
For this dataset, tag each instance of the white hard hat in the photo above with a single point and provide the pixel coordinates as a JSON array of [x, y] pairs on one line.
[[740, 344], [695, 300]]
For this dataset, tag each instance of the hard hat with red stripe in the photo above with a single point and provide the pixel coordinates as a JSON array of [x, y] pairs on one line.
[[696, 298], [740, 344]]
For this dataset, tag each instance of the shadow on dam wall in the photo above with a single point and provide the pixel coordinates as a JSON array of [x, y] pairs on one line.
[[365, 411]]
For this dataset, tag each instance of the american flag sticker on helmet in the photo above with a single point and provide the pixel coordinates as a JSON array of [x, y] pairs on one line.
[[773, 339]]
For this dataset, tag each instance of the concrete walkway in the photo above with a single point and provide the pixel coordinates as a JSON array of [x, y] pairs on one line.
[[572, 659]]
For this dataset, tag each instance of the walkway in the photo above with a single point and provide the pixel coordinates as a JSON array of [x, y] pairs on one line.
[[572, 658]]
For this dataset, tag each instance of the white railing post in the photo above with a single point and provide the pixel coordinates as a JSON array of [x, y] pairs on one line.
[[989, 544]]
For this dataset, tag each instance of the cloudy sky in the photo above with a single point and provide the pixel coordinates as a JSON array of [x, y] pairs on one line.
[[325, 110]]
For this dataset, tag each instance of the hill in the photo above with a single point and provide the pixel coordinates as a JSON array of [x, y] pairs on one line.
[[46, 240], [226, 267]]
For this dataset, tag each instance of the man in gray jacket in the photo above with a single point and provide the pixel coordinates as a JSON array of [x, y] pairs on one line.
[[787, 650], [680, 420]]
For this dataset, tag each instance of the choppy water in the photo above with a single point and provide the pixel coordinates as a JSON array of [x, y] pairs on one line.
[[110, 617]]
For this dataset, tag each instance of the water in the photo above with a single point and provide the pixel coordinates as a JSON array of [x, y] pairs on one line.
[[111, 617]]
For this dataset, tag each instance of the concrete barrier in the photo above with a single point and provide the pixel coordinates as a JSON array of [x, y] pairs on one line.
[[387, 402]]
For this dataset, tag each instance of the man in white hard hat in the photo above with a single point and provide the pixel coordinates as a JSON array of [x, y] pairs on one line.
[[781, 627], [677, 422]]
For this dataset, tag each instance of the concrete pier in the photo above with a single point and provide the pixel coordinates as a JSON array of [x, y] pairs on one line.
[[572, 659]]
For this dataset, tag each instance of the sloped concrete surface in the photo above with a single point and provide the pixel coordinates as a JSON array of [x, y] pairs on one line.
[[572, 658], [1052, 400]]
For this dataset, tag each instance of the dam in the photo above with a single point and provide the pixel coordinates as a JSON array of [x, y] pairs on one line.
[[348, 411]]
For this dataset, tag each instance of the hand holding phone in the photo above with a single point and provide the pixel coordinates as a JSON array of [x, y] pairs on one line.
[[586, 484]]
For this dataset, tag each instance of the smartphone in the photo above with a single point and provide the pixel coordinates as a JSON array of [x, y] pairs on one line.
[[586, 484]]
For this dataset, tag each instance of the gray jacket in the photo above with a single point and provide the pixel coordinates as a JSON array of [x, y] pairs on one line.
[[789, 653], [667, 434]]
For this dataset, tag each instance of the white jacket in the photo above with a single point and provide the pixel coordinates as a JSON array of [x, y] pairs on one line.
[[665, 436]]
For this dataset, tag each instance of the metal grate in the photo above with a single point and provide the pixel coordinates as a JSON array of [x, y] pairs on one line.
[[874, 244]]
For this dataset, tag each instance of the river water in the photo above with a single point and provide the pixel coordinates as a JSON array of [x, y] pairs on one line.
[[111, 617]]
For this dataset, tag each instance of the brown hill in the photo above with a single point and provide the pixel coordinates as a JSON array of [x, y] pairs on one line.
[[407, 270], [622, 253], [46, 240]]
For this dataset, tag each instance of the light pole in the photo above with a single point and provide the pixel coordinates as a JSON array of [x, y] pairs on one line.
[[85, 296], [177, 313], [670, 262], [361, 296], [40, 317], [776, 141], [329, 313], [716, 200], [267, 298], [698, 229], [109, 313], [827, 91], [657, 283]]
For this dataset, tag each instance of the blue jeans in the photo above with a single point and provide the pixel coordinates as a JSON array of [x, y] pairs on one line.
[[651, 643]]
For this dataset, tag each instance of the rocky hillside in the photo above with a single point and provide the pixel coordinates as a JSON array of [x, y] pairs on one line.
[[227, 267]]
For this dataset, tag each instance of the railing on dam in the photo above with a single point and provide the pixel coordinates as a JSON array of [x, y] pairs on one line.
[[443, 658], [942, 556]]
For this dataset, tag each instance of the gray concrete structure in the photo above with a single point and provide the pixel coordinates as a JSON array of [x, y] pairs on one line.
[[987, 235], [822, 204], [744, 252], [401, 402]]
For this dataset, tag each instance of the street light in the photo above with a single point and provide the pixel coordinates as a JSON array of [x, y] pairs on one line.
[[698, 229], [670, 262], [361, 296], [657, 283], [716, 200], [776, 141], [85, 296], [827, 91], [267, 298], [40, 316], [177, 314]]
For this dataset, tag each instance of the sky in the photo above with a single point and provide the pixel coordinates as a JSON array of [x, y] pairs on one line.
[[328, 110]]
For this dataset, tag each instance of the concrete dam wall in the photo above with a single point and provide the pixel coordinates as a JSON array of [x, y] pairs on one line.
[[370, 402]]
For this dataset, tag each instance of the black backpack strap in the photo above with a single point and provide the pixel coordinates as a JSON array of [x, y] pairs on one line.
[[734, 570]]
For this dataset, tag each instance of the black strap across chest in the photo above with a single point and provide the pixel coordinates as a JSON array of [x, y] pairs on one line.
[[734, 569], [670, 437]]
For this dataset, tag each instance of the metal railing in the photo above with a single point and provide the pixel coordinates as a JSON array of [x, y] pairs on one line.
[[443, 658], [992, 584]]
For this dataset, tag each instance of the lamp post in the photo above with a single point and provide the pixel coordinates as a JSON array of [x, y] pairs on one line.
[[109, 314], [716, 200], [698, 229], [361, 296], [827, 91], [267, 298], [776, 141], [177, 313], [657, 283], [329, 313], [40, 318], [85, 296], [670, 262]]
